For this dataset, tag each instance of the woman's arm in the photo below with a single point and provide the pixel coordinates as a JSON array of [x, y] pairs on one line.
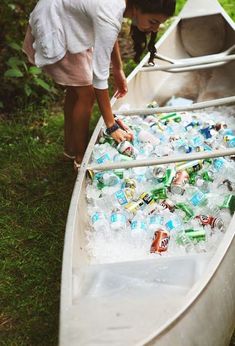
[[118, 73], [102, 96]]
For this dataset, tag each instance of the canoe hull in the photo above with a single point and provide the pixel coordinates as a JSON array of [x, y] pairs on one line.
[[205, 314]]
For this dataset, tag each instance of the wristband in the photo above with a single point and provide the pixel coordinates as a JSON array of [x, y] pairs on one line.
[[112, 128]]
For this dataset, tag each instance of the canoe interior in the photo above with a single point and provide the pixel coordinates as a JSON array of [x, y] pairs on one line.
[[196, 85], [161, 86], [92, 294]]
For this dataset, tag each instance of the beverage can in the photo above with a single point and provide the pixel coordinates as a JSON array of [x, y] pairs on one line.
[[191, 166], [170, 117], [207, 176], [126, 148], [160, 193], [107, 139], [147, 198], [129, 183], [196, 235], [158, 172], [160, 241], [169, 176], [214, 222], [133, 206], [188, 212], [229, 202], [179, 182], [167, 204]]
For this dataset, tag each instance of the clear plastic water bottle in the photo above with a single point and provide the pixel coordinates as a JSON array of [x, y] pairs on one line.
[[196, 197], [173, 223], [118, 220], [146, 137], [99, 221], [138, 224], [154, 221]]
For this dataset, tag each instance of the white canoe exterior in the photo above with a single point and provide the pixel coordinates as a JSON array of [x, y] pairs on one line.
[[186, 300]]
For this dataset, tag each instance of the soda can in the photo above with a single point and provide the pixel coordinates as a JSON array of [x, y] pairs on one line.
[[107, 139], [147, 198], [192, 178], [208, 176], [160, 193], [229, 202], [179, 182], [119, 172], [193, 123], [169, 176], [129, 183], [190, 166], [126, 148], [167, 204], [133, 206], [206, 132], [196, 235], [220, 126], [188, 212], [129, 192], [158, 172], [160, 241], [170, 117], [208, 220]]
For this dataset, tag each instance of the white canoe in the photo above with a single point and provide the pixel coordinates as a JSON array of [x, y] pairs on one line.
[[186, 300]]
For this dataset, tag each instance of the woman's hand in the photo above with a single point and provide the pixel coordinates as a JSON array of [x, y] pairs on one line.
[[124, 127], [121, 136], [120, 83]]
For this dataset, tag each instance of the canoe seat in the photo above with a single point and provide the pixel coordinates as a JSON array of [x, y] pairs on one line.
[[176, 274]]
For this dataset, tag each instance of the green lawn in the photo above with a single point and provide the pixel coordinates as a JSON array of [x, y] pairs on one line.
[[35, 190]]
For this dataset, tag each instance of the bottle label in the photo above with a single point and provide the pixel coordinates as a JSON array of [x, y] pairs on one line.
[[121, 197], [95, 217], [117, 217], [104, 158], [138, 225]]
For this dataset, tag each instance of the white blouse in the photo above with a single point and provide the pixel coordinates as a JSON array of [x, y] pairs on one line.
[[76, 25]]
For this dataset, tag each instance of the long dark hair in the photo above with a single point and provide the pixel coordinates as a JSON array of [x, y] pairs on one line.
[[165, 7]]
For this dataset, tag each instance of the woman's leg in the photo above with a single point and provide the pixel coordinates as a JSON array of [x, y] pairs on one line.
[[78, 106]]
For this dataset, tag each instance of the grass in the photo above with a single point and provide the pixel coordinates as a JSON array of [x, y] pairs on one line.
[[36, 187], [35, 190]]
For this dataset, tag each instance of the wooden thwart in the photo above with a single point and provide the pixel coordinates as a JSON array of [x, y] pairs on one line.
[[199, 105], [189, 66], [162, 160]]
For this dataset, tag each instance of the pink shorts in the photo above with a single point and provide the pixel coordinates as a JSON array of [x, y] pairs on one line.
[[72, 70]]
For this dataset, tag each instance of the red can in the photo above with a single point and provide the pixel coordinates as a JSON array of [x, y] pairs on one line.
[[160, 241], [214, 222], [179, 182]]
